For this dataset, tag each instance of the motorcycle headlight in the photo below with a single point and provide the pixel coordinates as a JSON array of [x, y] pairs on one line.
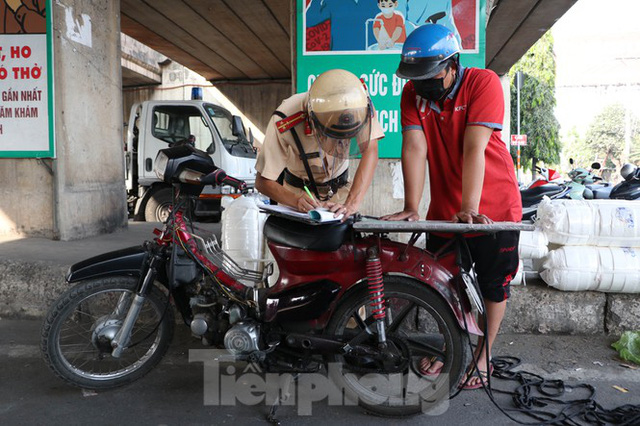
[[161, 165]]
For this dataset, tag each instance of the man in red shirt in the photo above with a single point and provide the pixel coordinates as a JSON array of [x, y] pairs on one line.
[[452, 117]]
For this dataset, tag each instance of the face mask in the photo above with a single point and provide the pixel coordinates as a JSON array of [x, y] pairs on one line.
[[387, 11], [432, 89]]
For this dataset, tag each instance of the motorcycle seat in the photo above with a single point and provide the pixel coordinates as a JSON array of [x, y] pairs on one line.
[[534, 195], [324, 237]]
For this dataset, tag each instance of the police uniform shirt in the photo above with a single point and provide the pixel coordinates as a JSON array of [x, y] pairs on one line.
[[279, 151]]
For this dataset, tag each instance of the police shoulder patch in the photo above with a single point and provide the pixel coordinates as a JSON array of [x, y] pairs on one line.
[[289, 122]]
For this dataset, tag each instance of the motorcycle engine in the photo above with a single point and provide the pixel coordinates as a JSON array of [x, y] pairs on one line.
[[242, 338]]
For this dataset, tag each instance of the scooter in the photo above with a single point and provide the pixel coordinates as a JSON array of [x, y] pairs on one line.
[[359, 305], [629, 188], [583, 184], [598, 189]]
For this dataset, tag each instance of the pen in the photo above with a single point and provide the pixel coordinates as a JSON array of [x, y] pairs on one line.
[[309, 193]]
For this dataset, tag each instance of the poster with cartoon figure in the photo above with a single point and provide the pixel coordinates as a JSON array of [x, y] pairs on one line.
[[382, 26], [26, 81], [366, 38], [23, 17]]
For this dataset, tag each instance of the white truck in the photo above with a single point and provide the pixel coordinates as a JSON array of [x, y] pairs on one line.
[[155, 125]]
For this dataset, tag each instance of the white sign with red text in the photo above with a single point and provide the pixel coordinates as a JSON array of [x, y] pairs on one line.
[[518, 140]]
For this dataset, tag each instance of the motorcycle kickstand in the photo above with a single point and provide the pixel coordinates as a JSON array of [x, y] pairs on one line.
[[284, 385]]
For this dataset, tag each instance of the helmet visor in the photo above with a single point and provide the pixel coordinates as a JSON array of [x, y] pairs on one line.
[[420, 68], [343, 134]]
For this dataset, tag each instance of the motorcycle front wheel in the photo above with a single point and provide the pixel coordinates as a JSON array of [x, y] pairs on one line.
[[78, 329], [419, 324]]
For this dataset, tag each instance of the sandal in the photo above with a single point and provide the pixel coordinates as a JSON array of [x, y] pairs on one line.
[[482, 375], [424, 370]]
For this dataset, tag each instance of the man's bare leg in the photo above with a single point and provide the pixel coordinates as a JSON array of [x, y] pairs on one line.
[[495, 314]]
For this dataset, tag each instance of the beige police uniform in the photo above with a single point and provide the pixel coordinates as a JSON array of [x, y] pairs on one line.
[[279, 151]]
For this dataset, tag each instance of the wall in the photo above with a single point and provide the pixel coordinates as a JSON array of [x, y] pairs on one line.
[[257, 101], [26, 198], [253, 103], [89, 192], [386, 194]]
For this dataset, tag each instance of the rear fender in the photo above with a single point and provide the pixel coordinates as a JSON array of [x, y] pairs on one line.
[[129, 261], [436, 274]]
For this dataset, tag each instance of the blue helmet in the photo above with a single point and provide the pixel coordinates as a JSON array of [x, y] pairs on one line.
[[426, 52]]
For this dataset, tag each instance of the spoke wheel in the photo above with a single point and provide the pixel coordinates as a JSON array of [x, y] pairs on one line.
[[79, 328], [418, 324]]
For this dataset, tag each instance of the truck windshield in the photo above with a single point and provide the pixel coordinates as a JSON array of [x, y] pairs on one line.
[[236, 145]]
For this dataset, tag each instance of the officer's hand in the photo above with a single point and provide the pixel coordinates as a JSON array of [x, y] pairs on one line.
[[304, 203], [408, 215], [341, 209], [470, 216]]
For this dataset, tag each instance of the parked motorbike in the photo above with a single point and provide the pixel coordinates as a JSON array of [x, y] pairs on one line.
[[586, 185], [583, 185], [362, 302], [545, 176], [629, 188]]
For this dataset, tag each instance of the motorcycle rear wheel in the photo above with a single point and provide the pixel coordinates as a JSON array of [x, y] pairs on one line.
[[77, 332], [427, 328]]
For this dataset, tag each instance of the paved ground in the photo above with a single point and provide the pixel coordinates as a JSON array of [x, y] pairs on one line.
[[172, 394]]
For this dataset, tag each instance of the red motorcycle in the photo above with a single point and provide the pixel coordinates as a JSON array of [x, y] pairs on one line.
[[353, 299], [546, 176]]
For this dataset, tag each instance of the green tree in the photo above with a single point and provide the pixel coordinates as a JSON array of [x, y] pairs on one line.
[[606, 136], [577, 148], [537, 102]]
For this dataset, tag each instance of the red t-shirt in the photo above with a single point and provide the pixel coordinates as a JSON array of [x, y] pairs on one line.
[[477, 99]]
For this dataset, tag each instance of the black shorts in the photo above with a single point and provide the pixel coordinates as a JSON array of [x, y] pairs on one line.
[[496, 260]]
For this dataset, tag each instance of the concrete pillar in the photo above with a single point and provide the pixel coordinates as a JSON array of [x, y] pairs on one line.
[[506, 126], [88, 180]]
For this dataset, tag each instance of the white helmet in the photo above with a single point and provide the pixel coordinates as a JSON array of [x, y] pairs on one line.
[[340, 112]]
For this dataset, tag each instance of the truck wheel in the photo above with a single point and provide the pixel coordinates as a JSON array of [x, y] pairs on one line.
[[157, 208]]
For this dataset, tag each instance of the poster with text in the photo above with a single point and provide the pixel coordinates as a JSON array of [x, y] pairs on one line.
[[26, 79], [366, 38]]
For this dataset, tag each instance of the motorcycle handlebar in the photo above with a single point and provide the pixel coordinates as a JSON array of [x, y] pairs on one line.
[[220, 177]]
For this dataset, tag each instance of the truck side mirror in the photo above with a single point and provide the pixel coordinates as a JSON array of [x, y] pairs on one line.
[[237, 129]]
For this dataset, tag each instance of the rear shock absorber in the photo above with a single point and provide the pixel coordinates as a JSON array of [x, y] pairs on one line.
[[376, 292]]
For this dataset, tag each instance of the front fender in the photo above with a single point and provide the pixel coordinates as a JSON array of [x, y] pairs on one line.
[[128, 261]]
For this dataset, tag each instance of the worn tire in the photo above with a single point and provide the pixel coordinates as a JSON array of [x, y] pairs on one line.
[[73, 307], [457, 354], [157, 207]]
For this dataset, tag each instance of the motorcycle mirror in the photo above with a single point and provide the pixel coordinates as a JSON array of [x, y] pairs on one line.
[[595, 166], [571, 161]]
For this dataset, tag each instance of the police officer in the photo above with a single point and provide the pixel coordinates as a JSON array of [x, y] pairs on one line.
[[310, 139]]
